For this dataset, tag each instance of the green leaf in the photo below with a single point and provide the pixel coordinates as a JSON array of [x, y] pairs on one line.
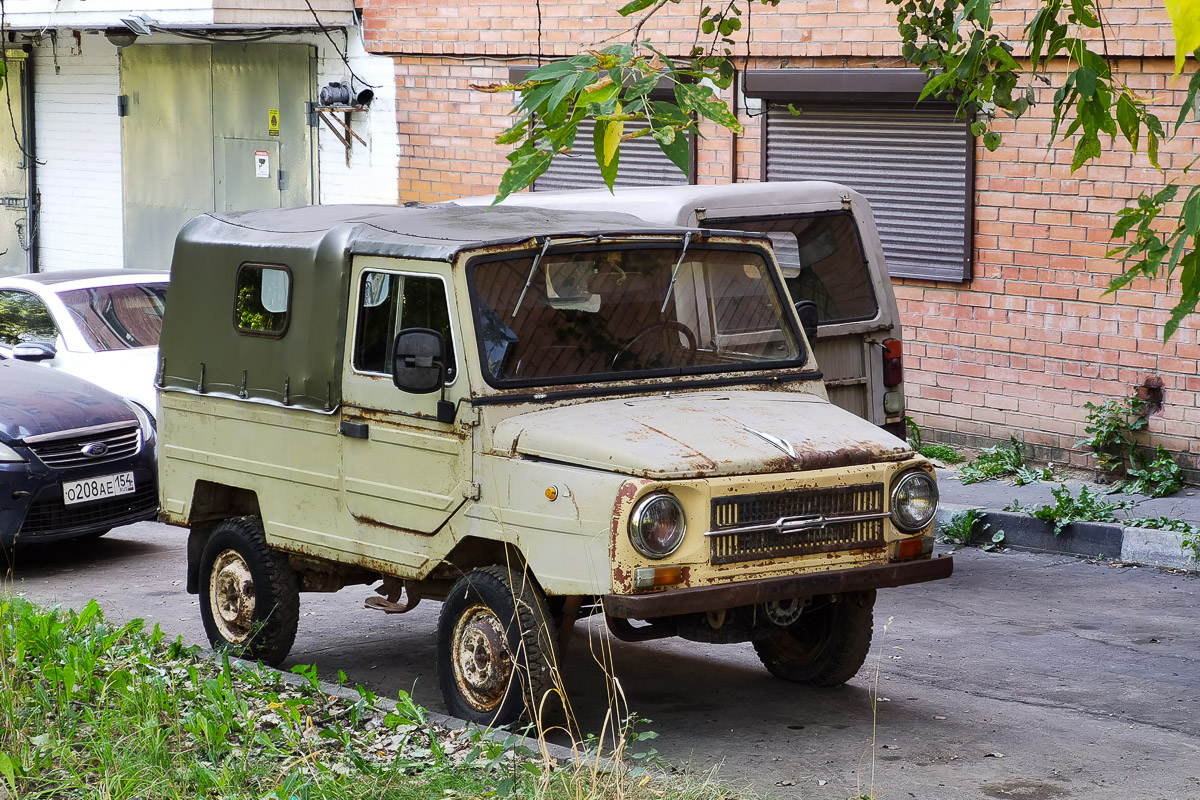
[[533, 98], [642, 86], [552, 71], [699, 99], [635, 6], [1124, 224], [1127, 118], [1191, 214], [991, 140], [564, 87], [606, 141], [599, 93], [8, 770], [1087, 149], [676, 148], [1189, 102], [526, 164], [1085, 81], [1190, 295]]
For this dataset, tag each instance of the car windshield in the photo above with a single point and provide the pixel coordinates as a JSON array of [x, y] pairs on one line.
[[609, 313], [118, 317]]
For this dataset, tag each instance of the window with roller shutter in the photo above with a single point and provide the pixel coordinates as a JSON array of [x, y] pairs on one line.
[[913, 162]]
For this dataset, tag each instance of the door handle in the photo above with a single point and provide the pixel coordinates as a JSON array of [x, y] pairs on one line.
[[356, 430]]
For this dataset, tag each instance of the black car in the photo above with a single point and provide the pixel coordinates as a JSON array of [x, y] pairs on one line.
[[75, 460]]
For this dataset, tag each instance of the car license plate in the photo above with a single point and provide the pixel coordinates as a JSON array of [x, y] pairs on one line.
[[100, 488]]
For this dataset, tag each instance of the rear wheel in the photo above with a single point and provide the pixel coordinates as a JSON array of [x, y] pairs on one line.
[[249, 593], [826, 646], [496, 647]]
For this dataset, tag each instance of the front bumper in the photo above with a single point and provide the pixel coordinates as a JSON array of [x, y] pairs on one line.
[[699, 599], [32, 508]]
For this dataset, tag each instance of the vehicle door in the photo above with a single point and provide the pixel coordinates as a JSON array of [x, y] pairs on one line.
[[824, 261], [403, 471]]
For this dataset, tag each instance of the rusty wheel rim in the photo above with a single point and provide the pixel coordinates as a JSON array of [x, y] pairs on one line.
[[231, 596], [482, 663]]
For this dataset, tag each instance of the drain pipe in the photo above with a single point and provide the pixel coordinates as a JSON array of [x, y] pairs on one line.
[[33, 199]]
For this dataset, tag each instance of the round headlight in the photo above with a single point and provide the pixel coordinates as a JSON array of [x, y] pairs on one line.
[[657, 525], [914, 501]]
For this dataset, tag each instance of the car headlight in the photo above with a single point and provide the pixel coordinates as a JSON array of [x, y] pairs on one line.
[[914, 501], [145, 419], [657, 525], [7, 454]]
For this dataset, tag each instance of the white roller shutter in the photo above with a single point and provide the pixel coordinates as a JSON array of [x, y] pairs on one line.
[[643, 163], [914, 166]]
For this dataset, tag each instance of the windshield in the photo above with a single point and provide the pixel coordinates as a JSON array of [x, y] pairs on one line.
[[118, 317], [570, 315]]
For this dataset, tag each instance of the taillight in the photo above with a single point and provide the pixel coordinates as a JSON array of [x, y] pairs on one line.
[[893, 362]]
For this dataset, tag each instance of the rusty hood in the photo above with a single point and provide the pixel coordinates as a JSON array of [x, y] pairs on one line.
[[700, 434]]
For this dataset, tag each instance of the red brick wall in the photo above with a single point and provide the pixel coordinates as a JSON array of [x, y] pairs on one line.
[[1018, 349]]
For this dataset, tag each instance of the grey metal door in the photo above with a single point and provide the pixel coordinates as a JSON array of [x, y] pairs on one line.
[[15, 230], [197, 117]]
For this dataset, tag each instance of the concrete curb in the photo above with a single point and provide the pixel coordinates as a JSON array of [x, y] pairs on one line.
[[555, 751], [1111, 541]]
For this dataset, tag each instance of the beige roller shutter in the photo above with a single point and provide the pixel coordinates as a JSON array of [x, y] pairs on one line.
[[913, 166], [643, 163]]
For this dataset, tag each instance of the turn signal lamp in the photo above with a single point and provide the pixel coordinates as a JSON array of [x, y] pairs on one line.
[[893, 362], [649, 577]]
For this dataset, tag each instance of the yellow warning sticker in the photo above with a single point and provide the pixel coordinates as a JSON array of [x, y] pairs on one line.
[[273, 122]]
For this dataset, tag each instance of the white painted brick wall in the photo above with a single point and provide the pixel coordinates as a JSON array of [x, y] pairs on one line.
[[374, 172], [79, 147]]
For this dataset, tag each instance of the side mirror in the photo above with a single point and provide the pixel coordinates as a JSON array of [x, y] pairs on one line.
[[33, 351], [419, 361], [807, 311]]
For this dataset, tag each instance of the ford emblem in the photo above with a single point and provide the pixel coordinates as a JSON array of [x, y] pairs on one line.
[[94, 449]]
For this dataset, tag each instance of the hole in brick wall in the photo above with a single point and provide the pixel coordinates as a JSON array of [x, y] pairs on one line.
[[1151, 393]]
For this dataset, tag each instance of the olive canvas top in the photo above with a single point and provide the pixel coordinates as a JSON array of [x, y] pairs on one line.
[[226, 329]]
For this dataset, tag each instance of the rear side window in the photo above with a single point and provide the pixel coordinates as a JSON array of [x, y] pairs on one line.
[[118, 317], [388, 303], [822, 260], [264, 297], [24, 318]]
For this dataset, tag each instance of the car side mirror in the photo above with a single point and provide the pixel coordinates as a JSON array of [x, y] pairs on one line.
[[33, 351], [419, 361], [807, 311]]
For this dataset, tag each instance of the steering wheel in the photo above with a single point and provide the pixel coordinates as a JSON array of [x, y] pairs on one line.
[[664, 328]]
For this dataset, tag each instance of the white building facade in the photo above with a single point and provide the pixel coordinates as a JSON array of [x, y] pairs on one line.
[[125, 123]]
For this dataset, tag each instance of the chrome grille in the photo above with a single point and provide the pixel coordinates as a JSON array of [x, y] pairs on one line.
[[802, 522], [67, 449]]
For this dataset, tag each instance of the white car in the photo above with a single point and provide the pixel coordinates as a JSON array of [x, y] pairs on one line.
[[101, 325]]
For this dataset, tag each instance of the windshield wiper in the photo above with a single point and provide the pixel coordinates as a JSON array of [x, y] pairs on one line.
[[687, 239], [529, 280]]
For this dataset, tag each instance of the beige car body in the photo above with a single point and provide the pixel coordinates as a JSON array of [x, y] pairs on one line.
[[355, 480]]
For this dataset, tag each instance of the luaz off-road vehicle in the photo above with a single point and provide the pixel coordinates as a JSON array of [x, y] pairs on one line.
[[532, 416]]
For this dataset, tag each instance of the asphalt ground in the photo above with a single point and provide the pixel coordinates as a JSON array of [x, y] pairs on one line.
[[1023, 675]]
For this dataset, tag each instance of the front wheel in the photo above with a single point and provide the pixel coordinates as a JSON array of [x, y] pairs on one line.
[[496, 648], [249, 593], [826, 646]]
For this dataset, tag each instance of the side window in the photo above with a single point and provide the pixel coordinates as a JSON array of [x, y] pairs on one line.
[[24, 318], [822, 261], [264, 298], [389, 302]]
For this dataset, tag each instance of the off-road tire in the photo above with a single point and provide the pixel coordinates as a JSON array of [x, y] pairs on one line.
[[274, 589], [826, 646], [517, 606]]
